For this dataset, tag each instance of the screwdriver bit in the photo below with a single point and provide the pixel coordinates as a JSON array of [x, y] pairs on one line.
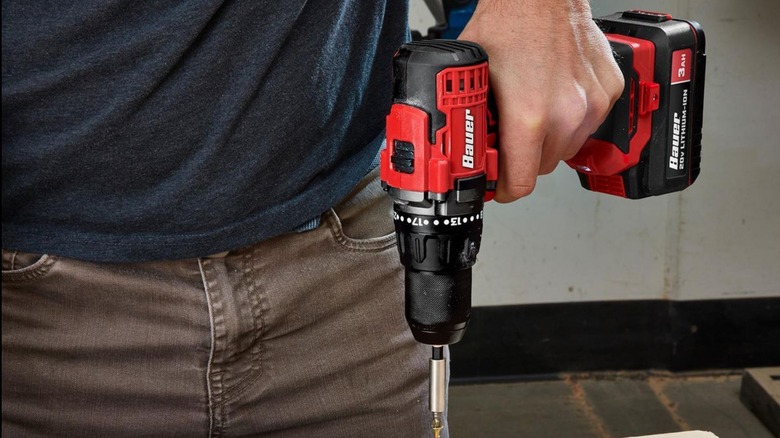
[[438, 387]]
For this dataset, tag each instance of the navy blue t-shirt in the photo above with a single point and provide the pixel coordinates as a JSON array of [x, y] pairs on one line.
[[160, 130]]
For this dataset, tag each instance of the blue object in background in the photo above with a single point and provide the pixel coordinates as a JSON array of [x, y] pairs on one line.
[[457, 18]]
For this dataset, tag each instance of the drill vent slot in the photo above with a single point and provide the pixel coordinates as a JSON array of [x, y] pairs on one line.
[[471, 85]]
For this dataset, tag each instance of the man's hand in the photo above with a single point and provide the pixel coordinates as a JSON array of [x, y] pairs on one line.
[[554, 79]]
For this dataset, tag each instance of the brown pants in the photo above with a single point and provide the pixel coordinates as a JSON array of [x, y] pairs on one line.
[[301, 335]]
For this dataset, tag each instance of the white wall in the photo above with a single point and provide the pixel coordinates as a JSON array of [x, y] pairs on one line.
[[718, 239]]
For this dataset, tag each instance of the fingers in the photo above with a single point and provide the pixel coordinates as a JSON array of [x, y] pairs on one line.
[[535, 137], [555, 82], [568, 115], [518, 166], [560, 127]]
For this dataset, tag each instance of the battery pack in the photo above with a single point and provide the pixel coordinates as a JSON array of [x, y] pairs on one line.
[[650, 143]]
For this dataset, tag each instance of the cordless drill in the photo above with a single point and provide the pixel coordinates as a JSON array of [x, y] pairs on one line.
[[441, 163]]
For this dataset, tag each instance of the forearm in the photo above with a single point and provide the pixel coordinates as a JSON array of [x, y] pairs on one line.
[[527, 7]]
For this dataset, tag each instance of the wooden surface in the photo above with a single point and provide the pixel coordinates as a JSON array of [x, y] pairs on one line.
[[691, 434], [761, 394], [604, 406]]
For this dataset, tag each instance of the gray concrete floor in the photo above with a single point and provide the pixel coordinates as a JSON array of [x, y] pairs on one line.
[[603, 406]]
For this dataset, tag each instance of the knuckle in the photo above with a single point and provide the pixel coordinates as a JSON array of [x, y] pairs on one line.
[[514, 191], [533, 122], [601, 102], [578, 104], [548, 168], [573, 110], [614, 93], [573, 122], [599, 106], [572, 150], [616, 85], [578, 141], [521, 189]]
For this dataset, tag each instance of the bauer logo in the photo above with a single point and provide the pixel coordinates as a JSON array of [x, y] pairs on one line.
[[677, 150], [679, 135], [468, 155]]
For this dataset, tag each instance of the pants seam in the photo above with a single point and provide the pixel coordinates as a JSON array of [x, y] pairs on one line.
[[211, 350], [256, 362]]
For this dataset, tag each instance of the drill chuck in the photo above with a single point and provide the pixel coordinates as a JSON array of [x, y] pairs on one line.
[[438, 252], [438, 305]]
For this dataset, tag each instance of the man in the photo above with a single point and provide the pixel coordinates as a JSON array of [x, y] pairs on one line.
[[195, 243]]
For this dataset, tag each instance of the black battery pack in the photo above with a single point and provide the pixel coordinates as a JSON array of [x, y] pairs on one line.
[[650, 144]]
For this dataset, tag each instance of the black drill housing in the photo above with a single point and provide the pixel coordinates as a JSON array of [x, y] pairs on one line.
[[438, 260]]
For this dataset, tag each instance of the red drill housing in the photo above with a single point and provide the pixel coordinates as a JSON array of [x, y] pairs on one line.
[[427, 156], [439, 169]]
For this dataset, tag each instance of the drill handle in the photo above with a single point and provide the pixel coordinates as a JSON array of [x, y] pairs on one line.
[[492, 144]]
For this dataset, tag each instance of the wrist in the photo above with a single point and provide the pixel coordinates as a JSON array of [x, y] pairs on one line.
[[535, 8]]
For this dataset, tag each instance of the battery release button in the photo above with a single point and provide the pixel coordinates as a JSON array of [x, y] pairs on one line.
[[649, 97], [652, 17]]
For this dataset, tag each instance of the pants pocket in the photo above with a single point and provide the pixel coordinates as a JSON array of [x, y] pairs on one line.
[[370, 244], [363, 221], [25, 266]]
